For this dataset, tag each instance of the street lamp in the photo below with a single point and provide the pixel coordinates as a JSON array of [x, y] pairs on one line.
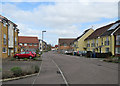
[[42, 39]]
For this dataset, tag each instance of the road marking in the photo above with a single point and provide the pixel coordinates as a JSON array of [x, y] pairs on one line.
[[61, 73], [37, 74]]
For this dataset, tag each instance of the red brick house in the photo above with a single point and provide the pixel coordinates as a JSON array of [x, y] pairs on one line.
[[65, 44], [28, 43], [117, 42]]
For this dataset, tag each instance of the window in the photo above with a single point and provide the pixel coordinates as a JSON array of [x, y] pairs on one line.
[[107, 50], [118, 50], [27, 52], [15, 41], [93, 44], [30, 44], [88, 44], [22, 52], [107, 41], [97, 42], [102, 41], [118, 40], [15, 49], [4, 50], [4, 24], [25, 44], [20, 44], [4, 40], [35, 44]]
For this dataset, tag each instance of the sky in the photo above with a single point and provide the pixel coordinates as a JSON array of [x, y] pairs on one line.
[[60, 18]]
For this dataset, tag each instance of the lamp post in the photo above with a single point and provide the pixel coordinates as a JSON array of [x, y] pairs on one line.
[[42, 39]]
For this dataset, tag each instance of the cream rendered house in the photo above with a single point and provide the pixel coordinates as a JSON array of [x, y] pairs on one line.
[[79, 43]]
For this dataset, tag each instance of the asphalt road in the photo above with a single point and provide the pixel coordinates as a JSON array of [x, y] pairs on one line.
[[65, 69]]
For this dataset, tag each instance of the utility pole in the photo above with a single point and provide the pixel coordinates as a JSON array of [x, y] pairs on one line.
[[42, 39]]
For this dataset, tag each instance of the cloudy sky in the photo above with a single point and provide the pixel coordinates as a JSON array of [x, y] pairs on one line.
[[60, 18]]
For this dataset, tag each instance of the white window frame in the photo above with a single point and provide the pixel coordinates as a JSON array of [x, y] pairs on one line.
[[25, 44], [65, 45], [15, 49], [116, 50], [35, 44], [4, 24], [4, 40], [30, 44], [117, 37], [106, 49], [20, 44]]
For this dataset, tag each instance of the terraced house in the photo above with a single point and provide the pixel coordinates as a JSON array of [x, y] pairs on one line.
[[79, 43], [65, 44], [117, 41], [102, 39], [9, 36], [28, 43]]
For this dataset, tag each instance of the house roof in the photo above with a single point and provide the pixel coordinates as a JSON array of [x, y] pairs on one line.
[[67, 41], [28, 39], [2, 17], [118, 31], [98, 32], [111, 29], [81, 35]]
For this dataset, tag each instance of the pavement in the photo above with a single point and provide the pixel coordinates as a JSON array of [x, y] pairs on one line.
[[65, 69]]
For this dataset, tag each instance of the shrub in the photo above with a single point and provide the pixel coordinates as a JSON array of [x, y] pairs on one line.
[[103, 55], [7, 74], [17, 71], [89, 54], [25, 59], [35, 58]]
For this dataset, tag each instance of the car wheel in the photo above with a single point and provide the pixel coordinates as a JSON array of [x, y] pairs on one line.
[[17, 57], [30, 57]]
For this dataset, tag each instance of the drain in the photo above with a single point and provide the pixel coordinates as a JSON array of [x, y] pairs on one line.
[[99, 65], [58, 72]]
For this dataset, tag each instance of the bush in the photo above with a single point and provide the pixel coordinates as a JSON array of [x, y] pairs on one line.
[[103, 55], [7, 74], [89, 54], [17, 71], [35, 58], [25, 59]]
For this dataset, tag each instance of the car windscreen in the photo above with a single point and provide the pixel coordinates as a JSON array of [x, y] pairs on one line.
[[22, 53], [27, 52]]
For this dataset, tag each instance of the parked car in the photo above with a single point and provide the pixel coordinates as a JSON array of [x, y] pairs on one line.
[[26, 54], [35, 54]]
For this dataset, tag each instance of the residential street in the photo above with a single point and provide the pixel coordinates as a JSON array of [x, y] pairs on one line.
[[65, 69]]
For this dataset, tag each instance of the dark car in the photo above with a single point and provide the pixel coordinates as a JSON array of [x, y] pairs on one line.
[[26, 54]]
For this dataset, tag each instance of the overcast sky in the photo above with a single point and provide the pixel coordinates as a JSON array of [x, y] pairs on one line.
[[60, 18]]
